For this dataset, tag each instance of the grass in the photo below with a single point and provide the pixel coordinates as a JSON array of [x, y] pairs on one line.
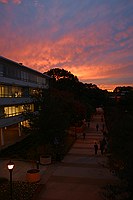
[[21, 190], [115, 192], [25, 149]]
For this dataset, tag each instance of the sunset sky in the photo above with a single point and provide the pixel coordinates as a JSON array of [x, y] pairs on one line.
[[93, 39]]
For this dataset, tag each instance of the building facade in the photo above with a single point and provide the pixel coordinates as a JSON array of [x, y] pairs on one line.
[[18, 87]]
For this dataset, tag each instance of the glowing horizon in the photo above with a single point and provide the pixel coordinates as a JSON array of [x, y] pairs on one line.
[[91, 39]]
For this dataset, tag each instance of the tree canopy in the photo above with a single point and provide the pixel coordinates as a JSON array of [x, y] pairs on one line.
[[85, 93], [67, 102], [58, 73]]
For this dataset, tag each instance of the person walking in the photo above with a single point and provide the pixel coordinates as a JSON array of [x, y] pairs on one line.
[[96, 148], [103, 127], [101, 147], [84, 135], [97, 127]]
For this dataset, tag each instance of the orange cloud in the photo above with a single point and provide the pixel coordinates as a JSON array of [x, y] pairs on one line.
[[87, 42], [17, 1], [14, 1], [3, 1]]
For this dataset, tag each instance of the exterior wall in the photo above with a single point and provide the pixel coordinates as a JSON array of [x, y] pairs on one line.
[[18, 85], [16, 74]]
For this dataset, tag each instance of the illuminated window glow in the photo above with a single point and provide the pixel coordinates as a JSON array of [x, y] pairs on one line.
[[17, 110]]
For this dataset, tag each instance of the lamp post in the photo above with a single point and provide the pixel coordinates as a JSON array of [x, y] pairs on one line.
[[10, 167]]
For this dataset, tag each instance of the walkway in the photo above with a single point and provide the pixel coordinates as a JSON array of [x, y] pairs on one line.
[[82, 174]]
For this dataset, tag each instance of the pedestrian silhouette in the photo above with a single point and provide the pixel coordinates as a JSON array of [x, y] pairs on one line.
[[103, 127], [96, 148], [101, 147], [84, 135], [75, 135], [105, 148], [97, 127]]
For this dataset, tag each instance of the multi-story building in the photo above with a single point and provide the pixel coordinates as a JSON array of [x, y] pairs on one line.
[[18, 86]]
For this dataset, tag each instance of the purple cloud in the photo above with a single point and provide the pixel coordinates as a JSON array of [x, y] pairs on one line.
[[92, 39]]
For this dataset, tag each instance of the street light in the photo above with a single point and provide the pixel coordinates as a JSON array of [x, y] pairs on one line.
[[10, 166]]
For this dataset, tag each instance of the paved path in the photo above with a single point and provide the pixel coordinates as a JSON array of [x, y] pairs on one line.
[[82, 174]]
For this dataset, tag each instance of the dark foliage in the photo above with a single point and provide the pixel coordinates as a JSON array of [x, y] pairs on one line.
[[21, 190], [119, 119]]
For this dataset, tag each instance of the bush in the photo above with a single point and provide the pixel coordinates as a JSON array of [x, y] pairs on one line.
[[3, 180], [21, 190]]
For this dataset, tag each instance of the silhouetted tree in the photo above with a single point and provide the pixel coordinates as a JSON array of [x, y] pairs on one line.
[[120, 128], [58, 74]]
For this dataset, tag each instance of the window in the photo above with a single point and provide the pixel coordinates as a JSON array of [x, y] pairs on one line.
[[17, 110], [1, 70], [10, 91]]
